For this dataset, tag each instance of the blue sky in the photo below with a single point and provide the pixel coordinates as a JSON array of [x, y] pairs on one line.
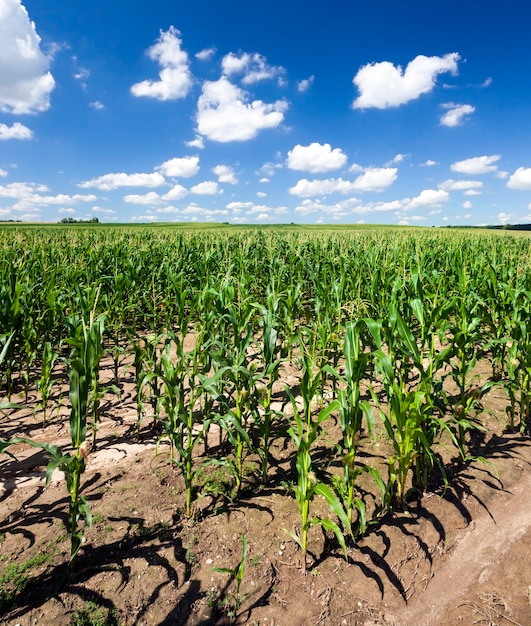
[[309, 112]]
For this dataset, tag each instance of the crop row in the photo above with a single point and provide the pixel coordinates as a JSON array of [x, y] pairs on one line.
[[377, 324]]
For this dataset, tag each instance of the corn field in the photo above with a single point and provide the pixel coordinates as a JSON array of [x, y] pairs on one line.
[[239, 342]]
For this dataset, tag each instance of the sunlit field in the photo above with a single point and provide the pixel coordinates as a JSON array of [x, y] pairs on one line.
[[243, 348]]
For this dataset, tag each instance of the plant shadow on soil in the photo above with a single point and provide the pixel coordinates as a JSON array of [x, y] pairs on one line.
[[152, 566]]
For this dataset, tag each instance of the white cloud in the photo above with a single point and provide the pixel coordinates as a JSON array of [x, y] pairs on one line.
[[460, 185], [373, 179], [429, 163], [505, 218], [376, 179], [455, 114], [198, 142], [476, 165], [268, 169], [175, 193], [108, 182], [147, 217], [304, 85], [225, 174], [224, 112], [239, 206], [32, 196], [20, 190], [316, 158], [467, 205], [183, 167], [147, 198], [17, 131], [308, 188], [206, 188], [175, 77], [81, 74], [521, 179], [254, 67], [382, 85], [205, 54], [397, 159], [63, 198], [98, 209], [428, 198], [25, 80], [97, 105], [3, 172]]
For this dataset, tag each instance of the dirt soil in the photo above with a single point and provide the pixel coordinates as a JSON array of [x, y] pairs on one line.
[[456, 556]]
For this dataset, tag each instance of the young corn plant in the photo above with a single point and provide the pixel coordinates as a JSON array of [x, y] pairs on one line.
[[411, 421], [273, 355], [45, 381], [352, 409], [466, 336], [304, 434], [183, 385], [85, 339], [233, 601], [238, 376], [518, 363]]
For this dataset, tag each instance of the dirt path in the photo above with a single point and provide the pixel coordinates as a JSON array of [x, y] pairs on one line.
[[491, 549]]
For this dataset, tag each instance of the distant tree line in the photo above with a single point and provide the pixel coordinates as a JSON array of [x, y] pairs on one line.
[[497, 227], [71, 220]]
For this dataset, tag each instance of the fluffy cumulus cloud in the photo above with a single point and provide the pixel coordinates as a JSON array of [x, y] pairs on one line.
[[521, 179], [205, 54], [225, 174], [175, 78], [206, 188], [384, 85], [32, 197], [25, 80], [429, 198], [376, 179], [108, 182], [224, 112], [254, 67], [316, 158], [183, 167], [147, 198], [16, 131], [175, 193], [305, 84], [322, 187], [455, 114], [460, 185], [476, 165], [198, 143], [373, 179]]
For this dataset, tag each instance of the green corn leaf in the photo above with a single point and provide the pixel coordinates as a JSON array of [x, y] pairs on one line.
[[334, 504]]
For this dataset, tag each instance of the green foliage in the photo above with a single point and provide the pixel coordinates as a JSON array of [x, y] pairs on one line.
[[366, 322], [94, 615], [232, 601]]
